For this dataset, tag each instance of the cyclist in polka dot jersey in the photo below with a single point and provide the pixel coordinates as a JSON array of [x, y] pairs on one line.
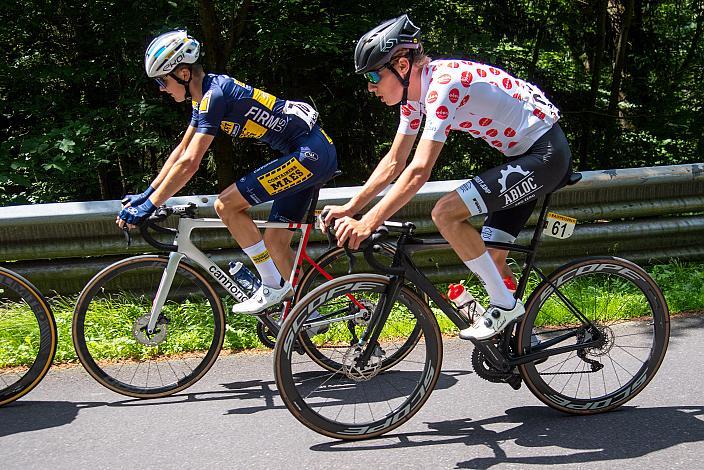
[[511, 115]]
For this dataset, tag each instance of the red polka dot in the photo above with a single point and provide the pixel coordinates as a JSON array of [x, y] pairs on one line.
[[444, 79], [464, 101], [509, 132], [538, 113], [492, 132], [512, 144], [494, 83], [410, 106], [432, 97], [453, 65], [507, 83], [405, 111], [481, 72], [517, 96], [466, 78], [454, 95], [465, 124], [494, 71], [442, 112], [474, 131], [497, 143], [447, 131], [415, 124], [484, 121]]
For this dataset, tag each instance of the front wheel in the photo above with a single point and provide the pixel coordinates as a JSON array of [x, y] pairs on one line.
[[629, 336], [359, 399], [110, 328]]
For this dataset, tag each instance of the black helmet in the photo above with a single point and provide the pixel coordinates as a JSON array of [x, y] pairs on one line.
[[376, 48]]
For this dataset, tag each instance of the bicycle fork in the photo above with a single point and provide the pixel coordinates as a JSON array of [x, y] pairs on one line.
[[167, 279]]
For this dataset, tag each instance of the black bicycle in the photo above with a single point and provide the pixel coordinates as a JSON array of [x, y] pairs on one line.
[[594, 334], [27, 336]]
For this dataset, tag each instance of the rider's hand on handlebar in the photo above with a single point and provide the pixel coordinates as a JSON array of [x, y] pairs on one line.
[[137, 199], [132, 216], [330, 213], [351, 231]]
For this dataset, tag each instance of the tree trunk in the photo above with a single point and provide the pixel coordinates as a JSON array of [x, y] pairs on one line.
[[601, 13], [217, 54], [615, 93]]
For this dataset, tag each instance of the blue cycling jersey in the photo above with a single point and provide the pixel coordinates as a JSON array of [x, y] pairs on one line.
[[247, 112]]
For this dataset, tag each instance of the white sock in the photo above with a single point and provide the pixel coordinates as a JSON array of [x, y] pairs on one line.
[[264, 264], [485, 269]]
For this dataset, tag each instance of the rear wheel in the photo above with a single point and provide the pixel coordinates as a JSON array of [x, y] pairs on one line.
[[27, 336], [631, 317]]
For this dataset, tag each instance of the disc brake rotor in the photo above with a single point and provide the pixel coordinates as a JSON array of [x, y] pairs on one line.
[[139, 330], [352, 369]]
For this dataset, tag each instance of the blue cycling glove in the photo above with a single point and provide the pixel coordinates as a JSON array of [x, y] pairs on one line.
[[134, 215], [137, 199]]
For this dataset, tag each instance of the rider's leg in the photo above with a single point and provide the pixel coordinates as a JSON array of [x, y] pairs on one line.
[[450, 214], [278, 241], [231, 207]]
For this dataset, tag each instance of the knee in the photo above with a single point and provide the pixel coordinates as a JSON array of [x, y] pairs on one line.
[[219, 207], [446, 211], [229, 202]]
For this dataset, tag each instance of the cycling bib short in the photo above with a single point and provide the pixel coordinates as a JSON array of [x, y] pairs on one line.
[[508, 193]]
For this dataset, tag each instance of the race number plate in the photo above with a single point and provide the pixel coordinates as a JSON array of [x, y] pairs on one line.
[[317, 218], [303, 111], [559, 226]]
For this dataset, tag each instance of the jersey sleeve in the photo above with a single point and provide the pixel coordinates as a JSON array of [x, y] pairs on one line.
[[210, 112], [410, 118], [444, 96], [194, 114]]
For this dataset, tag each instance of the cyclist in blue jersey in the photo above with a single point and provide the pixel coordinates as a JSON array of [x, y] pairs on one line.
[[223, 104]]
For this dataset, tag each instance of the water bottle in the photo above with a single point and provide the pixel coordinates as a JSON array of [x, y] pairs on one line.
[[246, 279], [465, 302]]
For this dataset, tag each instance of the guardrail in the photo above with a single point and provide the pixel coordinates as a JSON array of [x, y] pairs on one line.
[[645, 214]]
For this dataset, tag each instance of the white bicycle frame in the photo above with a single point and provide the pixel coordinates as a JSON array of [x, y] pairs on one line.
[[187, 249]]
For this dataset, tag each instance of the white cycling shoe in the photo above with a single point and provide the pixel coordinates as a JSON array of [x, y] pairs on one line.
[[264, 298], [493, 322]]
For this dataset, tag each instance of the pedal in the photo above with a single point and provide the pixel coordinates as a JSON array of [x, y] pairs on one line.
[[514, 381]]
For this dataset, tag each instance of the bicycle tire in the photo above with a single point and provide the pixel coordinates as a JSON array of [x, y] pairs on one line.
[[123, 291], [313, 278], [635, 322], [37, 335], [419, 375]]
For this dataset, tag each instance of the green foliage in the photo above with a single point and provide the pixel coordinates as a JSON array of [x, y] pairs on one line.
[[81, 121]]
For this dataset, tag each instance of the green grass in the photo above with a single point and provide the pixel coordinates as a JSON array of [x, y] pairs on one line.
[[682, 284]]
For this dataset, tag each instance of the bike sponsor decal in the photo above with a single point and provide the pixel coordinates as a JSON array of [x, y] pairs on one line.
[[591, 268], [598, 404], [229, 127], [418, 397], [229, 285], [519, 191], [284, 177], [442, 112]]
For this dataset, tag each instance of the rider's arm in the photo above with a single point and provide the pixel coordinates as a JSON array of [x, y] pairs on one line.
[[176, 154], [385, 172], [182, 169], [408, 184]]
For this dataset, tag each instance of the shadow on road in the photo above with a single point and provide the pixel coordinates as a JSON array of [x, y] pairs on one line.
[[622, 434], [25, 415]]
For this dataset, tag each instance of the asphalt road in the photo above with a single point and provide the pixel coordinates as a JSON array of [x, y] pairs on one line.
[[234, 418]]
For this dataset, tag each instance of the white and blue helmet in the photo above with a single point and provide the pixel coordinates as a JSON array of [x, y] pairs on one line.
[[169, 50]]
